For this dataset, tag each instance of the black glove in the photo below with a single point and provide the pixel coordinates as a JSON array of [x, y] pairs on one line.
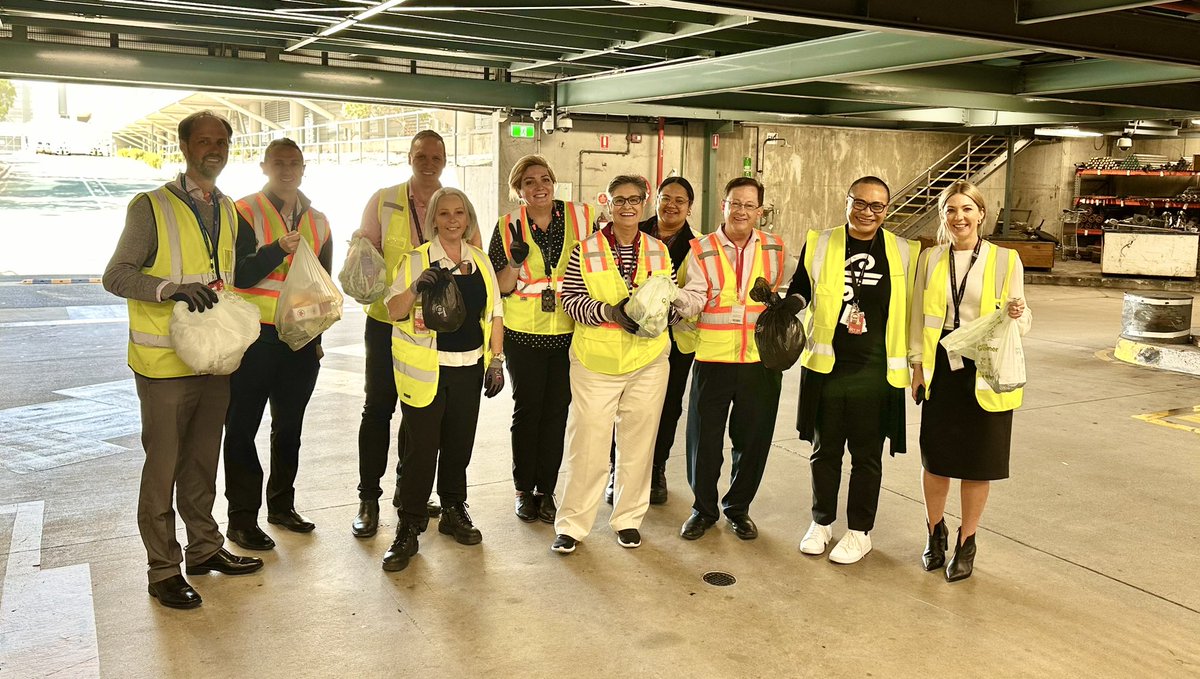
[[617, 315], [793, 304], [519, 250], [493, 379], [426, 280], [198, 296]]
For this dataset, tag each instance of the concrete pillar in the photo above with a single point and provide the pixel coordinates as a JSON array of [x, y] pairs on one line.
[[256, 108], [295, 117]]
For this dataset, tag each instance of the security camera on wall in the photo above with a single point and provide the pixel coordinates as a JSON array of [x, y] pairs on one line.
[[1124, 142], [548, 125], [565, 124]]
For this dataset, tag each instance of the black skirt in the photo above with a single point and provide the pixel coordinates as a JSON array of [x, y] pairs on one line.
[[959, 439]]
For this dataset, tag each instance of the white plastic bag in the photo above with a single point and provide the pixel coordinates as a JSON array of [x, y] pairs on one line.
[[363, 275], [650, 305], [212, 342], [994, 343], [309, 302]]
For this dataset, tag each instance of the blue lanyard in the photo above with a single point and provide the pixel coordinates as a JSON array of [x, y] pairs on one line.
[[210, 242]]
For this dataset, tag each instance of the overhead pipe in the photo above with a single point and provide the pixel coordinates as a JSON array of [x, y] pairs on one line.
[[662, 123], [579, 181]]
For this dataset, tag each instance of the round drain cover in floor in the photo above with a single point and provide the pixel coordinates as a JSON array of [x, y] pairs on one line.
[[719, 578]]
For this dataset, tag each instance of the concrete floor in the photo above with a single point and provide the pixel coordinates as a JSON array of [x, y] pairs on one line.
[[1087, 565]]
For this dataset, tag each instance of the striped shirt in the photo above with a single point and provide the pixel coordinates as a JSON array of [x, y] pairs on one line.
[[581, 306]]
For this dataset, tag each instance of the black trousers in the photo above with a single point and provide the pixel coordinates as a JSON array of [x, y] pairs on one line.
[[668, 422], [849, 415], [375, 431], [753, 393], [541, 384], [270, 373], [439, 440]]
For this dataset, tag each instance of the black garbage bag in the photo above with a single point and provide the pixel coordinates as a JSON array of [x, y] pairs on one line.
[[778, 334], [442, 304]]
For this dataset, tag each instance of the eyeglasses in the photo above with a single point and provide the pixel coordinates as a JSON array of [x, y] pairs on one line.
[[680, 201], [858, 205], [735, 206], [632, 201]]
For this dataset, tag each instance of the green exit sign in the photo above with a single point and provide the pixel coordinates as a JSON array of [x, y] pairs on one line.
[[521, 130]]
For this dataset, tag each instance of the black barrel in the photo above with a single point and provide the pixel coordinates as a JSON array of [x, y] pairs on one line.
[[1162, 317]]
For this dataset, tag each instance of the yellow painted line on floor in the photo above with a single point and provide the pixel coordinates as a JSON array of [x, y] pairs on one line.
[[1163, 419]]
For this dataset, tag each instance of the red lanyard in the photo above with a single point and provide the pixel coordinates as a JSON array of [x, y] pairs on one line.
[[612, 245], [741, 256]]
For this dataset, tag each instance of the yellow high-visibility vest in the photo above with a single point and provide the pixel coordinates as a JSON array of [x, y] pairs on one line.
[[993, 297], [269, 227], [720, 334], [523, 308], [395, 222], [183, 256], [607, 348], [825, 261], [415, 354]]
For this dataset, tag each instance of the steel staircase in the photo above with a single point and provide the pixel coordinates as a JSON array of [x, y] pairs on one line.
[[914, 207]]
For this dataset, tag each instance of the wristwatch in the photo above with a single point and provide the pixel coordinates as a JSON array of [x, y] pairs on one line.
[[499, 356]]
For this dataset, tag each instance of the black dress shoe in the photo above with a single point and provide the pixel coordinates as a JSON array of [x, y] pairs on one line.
[[226, 562], [963, 562], [658, 485], [694, 527], [403, 547], [743, 526], [367, 521], [174, 592], [291, 521], [612, 481], [934, 556], [457, 522], [250, 538], [527, 506], [546, 508]]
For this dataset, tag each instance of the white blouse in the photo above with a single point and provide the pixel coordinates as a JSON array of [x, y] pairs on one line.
[[969, 309]]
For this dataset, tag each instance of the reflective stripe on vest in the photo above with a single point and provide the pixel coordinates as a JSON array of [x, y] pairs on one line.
[[415, 355], [269, 227], [825, 261], [523, 307], [995, 292], [719, 336], [607, 348], [182, 256], [395, 224]]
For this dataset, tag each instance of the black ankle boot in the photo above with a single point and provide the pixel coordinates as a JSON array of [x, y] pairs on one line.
[[404, 546], [963, 561], [934, 556]]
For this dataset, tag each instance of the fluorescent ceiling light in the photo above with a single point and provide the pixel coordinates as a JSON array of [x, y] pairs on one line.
[[381, 7], [1064, 132], [339, 26], [345, 23]]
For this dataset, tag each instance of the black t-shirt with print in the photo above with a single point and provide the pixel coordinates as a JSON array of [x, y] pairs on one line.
[[866, 258]]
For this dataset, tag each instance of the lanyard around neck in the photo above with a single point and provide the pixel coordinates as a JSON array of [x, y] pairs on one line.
[[210, 242], [859, 274], [959, 289], [611, 235]]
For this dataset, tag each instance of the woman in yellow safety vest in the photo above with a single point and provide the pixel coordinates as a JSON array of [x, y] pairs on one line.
[[966, 427], [529, 250], [618, 373], [439, 374]]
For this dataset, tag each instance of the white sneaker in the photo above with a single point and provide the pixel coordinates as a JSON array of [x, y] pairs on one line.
[[816, 539], [853, 546]]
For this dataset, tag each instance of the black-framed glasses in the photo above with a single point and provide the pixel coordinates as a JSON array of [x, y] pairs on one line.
[[858, 205], [735, 205], [632, 201]]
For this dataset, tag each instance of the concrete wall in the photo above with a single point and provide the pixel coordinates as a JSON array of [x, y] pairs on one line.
[[806, 176]]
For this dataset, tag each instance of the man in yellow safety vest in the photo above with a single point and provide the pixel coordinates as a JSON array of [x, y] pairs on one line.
[[177, 246]]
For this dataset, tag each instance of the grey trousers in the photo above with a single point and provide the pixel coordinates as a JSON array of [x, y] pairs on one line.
[[182, 420]]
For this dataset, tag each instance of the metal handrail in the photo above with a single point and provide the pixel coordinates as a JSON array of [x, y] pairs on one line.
[[918, 187]]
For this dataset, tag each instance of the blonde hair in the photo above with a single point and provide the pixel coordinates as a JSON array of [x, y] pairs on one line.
[[429, 228], [518, 170], [967, 189]]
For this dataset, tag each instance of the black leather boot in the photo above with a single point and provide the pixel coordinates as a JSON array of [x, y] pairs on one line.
[[658, 485], [457, 522], [405, 545], [934, 556], [367, 521], [963, 561]]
